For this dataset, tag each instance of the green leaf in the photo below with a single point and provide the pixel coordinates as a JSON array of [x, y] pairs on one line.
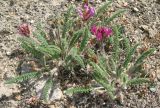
[[50, 50], [68, 59], [85, 39], [101, 77], [23, 77], [77, 57], [27, 40], [47, 87], [116, 46], [103, 8], [90, 52], [112, 64], [129, 56], [28, 45], [74, 90], [40, 35], [144, 55], [54, 48], [75, 38], [102, 62], [126, 45], [99, 70], [137, 81], [65, 45], [104, 83], [40, 38], [116, 14], [67, 21]]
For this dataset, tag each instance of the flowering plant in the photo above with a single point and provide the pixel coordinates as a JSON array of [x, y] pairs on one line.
[[72, 51]]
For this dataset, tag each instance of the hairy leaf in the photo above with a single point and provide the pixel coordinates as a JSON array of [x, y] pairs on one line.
[[23, 77], [102, 62], [85, 39], [67, 21], [144, 55], [40, 35], [129, 56], [112, 64], [75, 38], [126, 45], [99, 70], [47, 87], [77, 57], [50, 50], [116, 46], [103, 8], [104, 83], [116, 14], [137, 81], [78, 90]]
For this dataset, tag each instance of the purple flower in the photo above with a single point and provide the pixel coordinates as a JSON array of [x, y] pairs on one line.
[[24, 30], [87, 12], [101, 32]]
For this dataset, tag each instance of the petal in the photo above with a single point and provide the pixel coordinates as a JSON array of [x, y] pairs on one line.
[[79, 11], [86, 7], [107, 31], [92, 11], [99, 36], [93, 29]]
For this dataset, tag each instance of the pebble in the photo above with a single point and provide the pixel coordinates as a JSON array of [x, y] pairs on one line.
[[135, 9], [144, 27], [152, 89], [57, 94], [8, 53]]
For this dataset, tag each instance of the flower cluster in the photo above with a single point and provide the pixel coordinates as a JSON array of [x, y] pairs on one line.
[[101, 32], [24, 30], [87, 12]]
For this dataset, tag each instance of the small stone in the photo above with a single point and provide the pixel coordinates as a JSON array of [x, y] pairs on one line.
[[31, 21], [135, 9], [144, 27], [125, 4], [57, 94], [54, 71], [39, 87], [8, 53], [152, 89]]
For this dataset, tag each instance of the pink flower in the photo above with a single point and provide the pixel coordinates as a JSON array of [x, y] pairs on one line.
[[101, 32], [87, 12], [24, 30]]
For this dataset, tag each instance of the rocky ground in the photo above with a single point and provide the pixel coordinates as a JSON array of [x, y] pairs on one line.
[[141, 22]]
